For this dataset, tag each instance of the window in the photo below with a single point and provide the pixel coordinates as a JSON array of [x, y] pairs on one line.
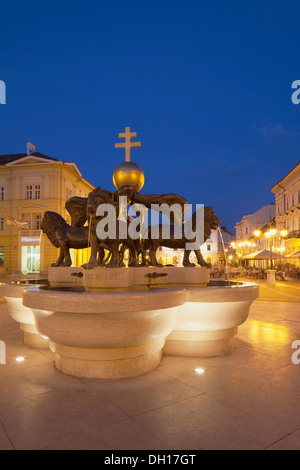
[[37, 221], [34, 221], [1, 224], [29, 191], [26, 218], [2, 193], [33, 191], [208, 247], [1, 255], [37, 191]]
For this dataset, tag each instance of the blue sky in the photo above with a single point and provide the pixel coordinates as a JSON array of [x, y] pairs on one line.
[[206, 86]]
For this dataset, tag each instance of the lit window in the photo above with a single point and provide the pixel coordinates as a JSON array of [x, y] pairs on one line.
[[38, 221], [29, 191], [1, 255], [37, 191], [26, 218], [33, 191]]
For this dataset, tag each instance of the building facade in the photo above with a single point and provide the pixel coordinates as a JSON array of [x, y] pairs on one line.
[[251, 222], [250, 235], [287, 201], [30, 184], [214, 250]]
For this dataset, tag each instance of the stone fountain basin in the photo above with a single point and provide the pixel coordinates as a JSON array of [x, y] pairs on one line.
[[13, 294], [107, 334], [121, 334], [209, 318]]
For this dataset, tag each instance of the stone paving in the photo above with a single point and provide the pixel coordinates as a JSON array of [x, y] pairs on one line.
[[248, 399]]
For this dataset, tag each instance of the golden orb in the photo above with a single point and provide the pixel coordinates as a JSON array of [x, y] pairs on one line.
[[129, 174]]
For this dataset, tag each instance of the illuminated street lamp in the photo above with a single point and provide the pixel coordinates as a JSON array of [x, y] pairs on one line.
[[284, 233], [270, 234], [271, 272]]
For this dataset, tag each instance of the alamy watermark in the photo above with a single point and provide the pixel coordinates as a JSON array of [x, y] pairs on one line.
[[178, 227], [2, 353], [296, 94], [2, 92], [296, 354]]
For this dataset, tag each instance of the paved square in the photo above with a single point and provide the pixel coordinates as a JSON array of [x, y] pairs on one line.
[[248, 399]]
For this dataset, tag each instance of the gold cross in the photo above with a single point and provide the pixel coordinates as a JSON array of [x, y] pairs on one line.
[[127, 144]]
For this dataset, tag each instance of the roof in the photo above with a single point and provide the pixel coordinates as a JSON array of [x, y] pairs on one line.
[[14, 157], [4, 159], [280, 181]]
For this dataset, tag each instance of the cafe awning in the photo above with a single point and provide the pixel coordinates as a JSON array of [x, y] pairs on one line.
[[294, 255], [263, 254]]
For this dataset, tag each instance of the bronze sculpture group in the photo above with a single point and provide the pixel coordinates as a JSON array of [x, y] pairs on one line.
[[110, 252]]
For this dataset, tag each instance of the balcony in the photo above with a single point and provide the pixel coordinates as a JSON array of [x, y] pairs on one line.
[[29, 233], [293, 234]]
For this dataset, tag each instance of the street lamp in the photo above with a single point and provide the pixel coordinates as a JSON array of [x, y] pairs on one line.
[[271, 272], [283, 234], [270, 235]]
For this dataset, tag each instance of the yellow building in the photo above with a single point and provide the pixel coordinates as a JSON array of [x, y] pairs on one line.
[[287, 197], [30, 184]]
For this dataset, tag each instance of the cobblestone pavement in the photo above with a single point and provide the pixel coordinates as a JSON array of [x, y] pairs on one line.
[[248, 399]]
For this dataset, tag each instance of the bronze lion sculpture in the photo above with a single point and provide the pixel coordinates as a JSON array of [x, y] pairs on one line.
[[211, 222], [64, 236]]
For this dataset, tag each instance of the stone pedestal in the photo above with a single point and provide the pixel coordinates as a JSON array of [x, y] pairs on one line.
[[271, 281], [62, 276], [105, 278]]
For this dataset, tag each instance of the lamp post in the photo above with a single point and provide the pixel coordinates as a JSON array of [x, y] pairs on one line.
[[271, 271]]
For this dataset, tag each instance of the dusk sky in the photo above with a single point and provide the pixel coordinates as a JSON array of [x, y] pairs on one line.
[[206, 86]]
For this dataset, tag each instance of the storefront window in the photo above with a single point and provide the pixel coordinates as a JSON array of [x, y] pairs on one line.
[[30, 259], [1, 255]]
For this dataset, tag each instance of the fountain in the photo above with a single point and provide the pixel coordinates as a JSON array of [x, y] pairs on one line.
[[110, 320], [13, 294]]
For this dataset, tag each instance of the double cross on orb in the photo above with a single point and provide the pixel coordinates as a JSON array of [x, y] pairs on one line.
[[127, 144]]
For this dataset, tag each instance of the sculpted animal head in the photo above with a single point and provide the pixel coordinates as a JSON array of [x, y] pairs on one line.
[[100, 196], [50, 223], [211, 221]]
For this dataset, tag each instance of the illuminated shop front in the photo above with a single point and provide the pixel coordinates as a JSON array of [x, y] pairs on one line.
[[30, 255]]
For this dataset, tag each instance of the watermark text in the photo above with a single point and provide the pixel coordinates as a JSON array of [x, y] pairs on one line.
[[2, 92], [113, 225], [296, 94], [296, 354], [2, 353]]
